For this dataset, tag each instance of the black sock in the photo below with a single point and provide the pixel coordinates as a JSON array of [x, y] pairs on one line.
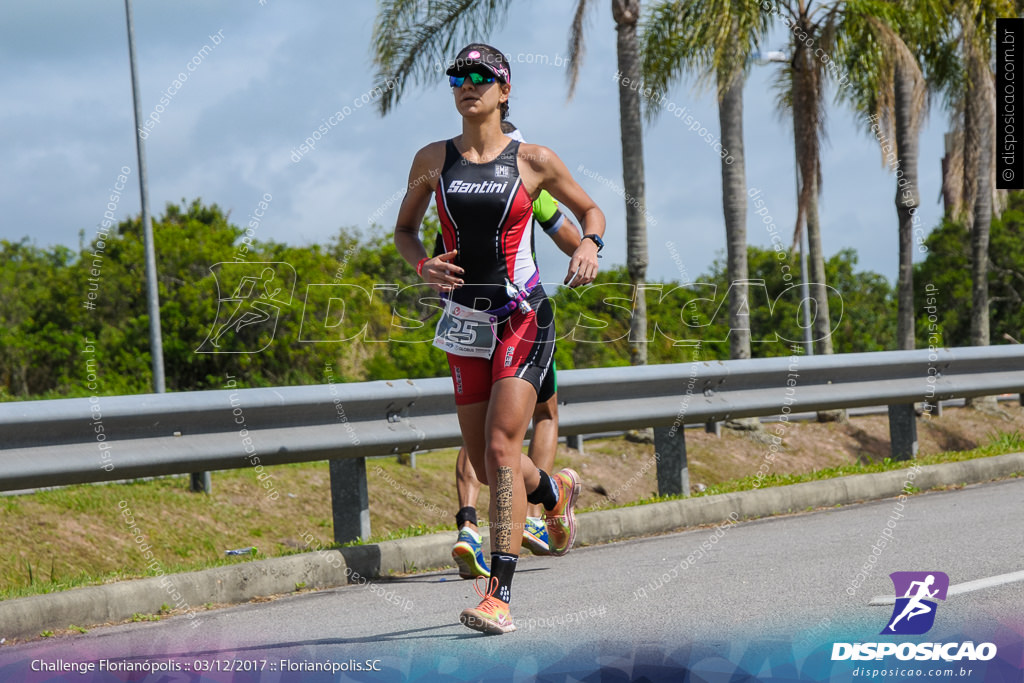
[[546, 494], [503, 567], [466, 514]]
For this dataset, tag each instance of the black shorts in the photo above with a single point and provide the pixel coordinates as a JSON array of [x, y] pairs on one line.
[[550, 385]]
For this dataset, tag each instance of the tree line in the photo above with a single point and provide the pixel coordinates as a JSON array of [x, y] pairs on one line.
[[67, 316]]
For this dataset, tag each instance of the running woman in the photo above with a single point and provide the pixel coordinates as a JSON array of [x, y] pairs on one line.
[[467, 552], [497, 326]]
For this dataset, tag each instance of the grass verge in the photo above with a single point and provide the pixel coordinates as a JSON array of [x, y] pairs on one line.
[[80, 535]]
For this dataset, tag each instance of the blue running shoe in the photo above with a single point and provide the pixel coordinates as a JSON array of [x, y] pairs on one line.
[[535, 536], [468, 556]]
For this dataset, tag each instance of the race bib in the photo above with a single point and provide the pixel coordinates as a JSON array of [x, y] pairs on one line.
[[466, 332]]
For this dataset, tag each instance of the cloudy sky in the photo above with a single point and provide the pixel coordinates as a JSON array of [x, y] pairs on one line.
[[275, 70]]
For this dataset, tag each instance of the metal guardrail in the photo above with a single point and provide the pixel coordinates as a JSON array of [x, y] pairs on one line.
[[105, 438]]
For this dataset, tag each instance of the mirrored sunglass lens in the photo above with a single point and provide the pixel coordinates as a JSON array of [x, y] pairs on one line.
[[474, 78]]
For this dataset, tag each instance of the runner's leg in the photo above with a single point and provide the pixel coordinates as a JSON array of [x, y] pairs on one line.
[[510, 410], [505, 421], [467, 485], [468, 552], [544, 443], [472, 380]]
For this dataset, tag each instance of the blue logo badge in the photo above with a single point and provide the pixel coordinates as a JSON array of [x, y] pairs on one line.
[[916, 593]]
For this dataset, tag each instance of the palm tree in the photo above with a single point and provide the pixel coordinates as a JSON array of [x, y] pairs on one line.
[[963, 70], [720, 40], [877, 43], [801, 85], [713, 39], [412, 36], [803, 91], [979, 123]]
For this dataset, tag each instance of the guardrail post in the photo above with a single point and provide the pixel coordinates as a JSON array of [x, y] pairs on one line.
[[350, 501], [575, 441], [903, 431], [712, 427], [201, 482], [670, 451]]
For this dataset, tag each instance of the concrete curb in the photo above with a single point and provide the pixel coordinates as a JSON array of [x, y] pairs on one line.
[[608, 525], [27, 617]]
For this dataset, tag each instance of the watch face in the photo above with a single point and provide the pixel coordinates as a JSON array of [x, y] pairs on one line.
[[597, 240]]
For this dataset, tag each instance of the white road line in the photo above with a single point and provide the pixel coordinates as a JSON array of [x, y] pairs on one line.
[[965, 587]]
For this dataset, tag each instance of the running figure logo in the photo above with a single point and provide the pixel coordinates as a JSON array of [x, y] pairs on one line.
[[914, 612], [247, 319]]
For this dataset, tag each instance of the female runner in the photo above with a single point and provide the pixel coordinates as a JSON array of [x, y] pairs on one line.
[[497, 327]]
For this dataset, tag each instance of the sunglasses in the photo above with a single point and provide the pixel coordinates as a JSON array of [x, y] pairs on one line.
[[474, 78]]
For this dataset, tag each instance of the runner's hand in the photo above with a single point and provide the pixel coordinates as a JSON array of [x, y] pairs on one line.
[[582, 265], [441, 274]]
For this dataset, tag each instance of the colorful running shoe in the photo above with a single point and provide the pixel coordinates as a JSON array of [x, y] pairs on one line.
[[561, 521], [468, 556], [535, 536], [491, 615]]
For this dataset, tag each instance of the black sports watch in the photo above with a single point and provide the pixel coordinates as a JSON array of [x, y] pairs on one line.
[[597, 240]]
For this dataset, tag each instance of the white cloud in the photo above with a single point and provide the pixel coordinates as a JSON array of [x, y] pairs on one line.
[[66, 127]]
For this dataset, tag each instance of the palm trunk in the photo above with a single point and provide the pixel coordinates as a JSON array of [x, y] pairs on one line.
[[734, 205], [951, 189], [626, 14], [816, 264], [982, 220], [806, 85], [981, 115], [806, 129], [907, 201], [971, 149]]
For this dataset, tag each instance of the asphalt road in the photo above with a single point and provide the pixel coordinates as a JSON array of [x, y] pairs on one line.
[[769, 597]]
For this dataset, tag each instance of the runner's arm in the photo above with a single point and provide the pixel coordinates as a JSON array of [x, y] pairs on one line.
[[438, 271], [554, 176], [567, 237], [562, 231]]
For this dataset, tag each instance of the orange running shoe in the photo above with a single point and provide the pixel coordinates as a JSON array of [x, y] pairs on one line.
[[561, 521], [491, 615]]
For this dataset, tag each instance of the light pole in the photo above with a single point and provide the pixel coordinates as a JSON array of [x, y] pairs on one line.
[[156, 347], [805, 293], [200, 480]]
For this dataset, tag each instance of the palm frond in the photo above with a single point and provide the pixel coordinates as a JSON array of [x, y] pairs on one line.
[[961, 65], [801, 89], [710, 39], [873, 51], [413, 40], [577, 49]]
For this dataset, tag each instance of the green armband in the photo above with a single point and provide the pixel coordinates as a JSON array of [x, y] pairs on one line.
[[545, 207], [547, 213]]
